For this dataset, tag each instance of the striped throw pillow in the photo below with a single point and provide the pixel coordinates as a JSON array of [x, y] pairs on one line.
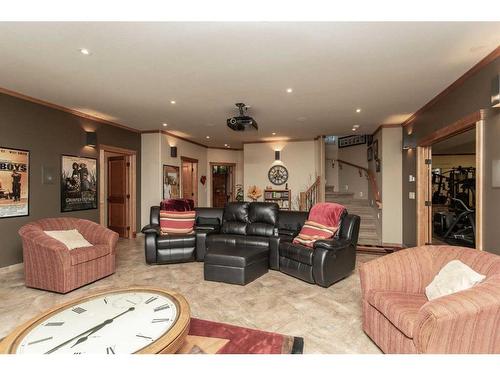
[[175, 222], [313, 231]]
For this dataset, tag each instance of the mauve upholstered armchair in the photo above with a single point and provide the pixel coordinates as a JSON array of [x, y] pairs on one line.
[[399, 319], [49, 265]]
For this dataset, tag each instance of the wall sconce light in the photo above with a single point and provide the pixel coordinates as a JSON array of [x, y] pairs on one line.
[[173, 151], [409, 142], [277, 155], [91, 139]]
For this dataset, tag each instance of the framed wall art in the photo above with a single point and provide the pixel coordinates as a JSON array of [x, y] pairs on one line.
[[352, 140], [78, 183], [369, 153], [14, 182], [171, 182]]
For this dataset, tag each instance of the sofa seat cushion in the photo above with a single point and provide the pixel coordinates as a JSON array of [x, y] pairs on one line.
[[235, 257], [401, 309], [176, 241], [298, 253], [223, 241], [86, 254]]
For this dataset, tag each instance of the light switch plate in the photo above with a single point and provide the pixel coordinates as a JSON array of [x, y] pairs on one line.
[[411, 195]]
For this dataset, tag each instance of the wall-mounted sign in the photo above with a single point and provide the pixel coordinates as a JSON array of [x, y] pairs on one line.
[[352, 140], [14, 182], [78, 183]]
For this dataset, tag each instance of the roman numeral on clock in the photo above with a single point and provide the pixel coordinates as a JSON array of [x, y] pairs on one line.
[[109, 350], [162, 307], [78, 310], [151, 300]]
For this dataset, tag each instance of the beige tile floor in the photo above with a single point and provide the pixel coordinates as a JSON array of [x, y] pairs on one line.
[[329, 320]]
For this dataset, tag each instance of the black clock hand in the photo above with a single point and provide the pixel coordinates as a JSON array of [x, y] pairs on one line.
[[89, 331]]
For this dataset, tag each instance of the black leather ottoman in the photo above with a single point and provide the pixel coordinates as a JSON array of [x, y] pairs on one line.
[[236, 266]]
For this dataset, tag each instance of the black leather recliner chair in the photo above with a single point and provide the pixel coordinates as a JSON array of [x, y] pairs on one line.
[[239, 253], [328, 262], [171, 248]]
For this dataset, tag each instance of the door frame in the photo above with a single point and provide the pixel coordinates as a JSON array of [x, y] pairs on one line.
[[424, 178], [195, 183], [131, 157], [211, 164]]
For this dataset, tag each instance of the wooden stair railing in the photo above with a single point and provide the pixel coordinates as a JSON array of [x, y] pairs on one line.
[[311, 196], [371, 178]]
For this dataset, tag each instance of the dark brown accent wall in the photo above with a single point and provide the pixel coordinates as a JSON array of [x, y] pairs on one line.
[[47, 133], [473, 94]]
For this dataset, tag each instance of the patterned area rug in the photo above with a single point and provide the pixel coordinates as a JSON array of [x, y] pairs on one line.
[[206, 337]]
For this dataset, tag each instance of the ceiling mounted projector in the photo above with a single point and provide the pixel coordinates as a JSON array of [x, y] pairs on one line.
[[242, 122]]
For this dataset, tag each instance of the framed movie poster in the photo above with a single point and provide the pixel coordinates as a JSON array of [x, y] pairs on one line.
[[352, 140], [14, 182], [78, 183], [171, 182]]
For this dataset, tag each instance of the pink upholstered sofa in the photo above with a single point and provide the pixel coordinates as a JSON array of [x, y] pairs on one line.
[[49, 265], [399, 319]]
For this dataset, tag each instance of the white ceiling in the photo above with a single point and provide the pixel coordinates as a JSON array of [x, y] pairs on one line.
[[388, 69]]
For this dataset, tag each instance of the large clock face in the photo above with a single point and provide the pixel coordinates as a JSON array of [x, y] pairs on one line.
[[114, 323], [278, 175]]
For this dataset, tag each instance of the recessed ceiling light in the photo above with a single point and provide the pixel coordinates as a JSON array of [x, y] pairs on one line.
[[207, 137], [289, 90], [164, 124], [172, 102], [84, 51], [358, 110], [274, 133]]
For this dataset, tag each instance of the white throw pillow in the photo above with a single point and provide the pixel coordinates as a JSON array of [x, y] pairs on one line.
[[71, 238], [453, 277]]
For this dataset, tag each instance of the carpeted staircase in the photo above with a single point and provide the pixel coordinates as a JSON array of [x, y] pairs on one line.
[[368, 230]]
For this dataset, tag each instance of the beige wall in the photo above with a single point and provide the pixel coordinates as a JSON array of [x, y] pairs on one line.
[[298, 157], [349, 179], [156, 153], [392, 193], [151, 180], [190, 150], [446, 162], [332, 169]]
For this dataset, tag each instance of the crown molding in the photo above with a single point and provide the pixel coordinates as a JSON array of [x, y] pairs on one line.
[[65, 109], [492, 56]]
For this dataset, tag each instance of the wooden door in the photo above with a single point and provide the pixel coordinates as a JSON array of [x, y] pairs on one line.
[[118, 195], [219, 187], [190, 180]]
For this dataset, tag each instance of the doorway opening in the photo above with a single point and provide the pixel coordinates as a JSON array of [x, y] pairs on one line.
[[449, 186], [222, 183], [189, 179], [117, 190]]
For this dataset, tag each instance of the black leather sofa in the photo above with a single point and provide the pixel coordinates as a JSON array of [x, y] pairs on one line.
[[242, 241], [239, 253]]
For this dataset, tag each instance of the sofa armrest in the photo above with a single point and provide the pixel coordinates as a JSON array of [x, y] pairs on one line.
[[151, 229], [463, 322], [332, 245], [207, 227], [274, 252], [403, 271]]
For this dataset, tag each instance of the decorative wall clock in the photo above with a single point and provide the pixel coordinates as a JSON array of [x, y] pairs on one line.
[[124, 321], [278, 174]]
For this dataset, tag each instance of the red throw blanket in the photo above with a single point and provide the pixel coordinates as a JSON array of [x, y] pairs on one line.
[[322, 223]]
